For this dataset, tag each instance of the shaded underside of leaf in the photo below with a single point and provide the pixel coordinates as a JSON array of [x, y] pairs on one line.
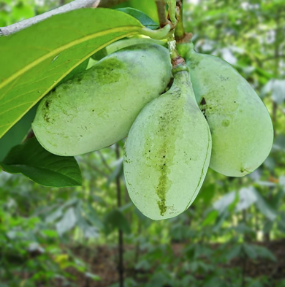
[[47, 51], [17, 133], [142, 17], [33, 161]]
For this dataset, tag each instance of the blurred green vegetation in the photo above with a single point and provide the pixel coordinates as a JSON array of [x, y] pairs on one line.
[[49, 237]]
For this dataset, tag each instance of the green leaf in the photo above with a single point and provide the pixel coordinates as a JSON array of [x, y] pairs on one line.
[[210, 218], [247, 197], [88, 230], [142, 17], [263, 252], [67, 222], [279, 143], [48, 51], [264, 207], [146, 6], [255, 283], [116, 220], [234, 252], [17, 133], [33, 161], [224, 202], [249, 250], [92, 276], [92, 216], [206, 195]]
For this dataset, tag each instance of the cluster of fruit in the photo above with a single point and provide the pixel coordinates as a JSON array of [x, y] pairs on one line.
[[173, 135]]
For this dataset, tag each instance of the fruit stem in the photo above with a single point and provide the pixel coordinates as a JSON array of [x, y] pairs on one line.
[[172, 11], [180, 35], [176, 60], [156, 34], [172, 47], [182, 81]]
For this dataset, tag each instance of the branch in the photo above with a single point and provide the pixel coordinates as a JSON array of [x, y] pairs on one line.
[[160, 6], [273, 57], [110, 3], [120, 234], [180, 35], [74, 5]]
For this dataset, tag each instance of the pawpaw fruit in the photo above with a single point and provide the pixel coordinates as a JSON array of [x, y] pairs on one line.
[[167, 152], [97, 107], [241, 127]]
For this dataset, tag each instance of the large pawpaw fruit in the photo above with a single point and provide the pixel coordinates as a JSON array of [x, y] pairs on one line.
[[240, 124], [97, 107], [167, 152]]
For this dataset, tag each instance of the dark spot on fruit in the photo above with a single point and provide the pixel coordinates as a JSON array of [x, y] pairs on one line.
[[203, 107], [46, 118], [79, 78], [224, 78], [225, 123], [203, 101], [193, 64]]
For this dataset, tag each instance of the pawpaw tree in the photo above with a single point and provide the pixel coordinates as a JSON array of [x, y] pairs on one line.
[[80, 86]]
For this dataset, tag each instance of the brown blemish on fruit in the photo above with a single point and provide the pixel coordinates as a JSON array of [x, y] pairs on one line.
[[46, 117], [203, 107], [47, 103]]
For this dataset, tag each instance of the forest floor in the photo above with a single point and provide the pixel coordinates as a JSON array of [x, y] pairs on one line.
[[103, 262]]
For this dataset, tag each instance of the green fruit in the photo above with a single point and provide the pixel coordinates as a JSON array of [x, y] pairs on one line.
[[240, 124], [97, 107], [125, 43], [167, 152]]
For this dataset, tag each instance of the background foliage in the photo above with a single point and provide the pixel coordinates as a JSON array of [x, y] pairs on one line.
[[233, 234]]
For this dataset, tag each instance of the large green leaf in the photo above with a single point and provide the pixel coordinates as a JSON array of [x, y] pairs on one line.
[[35, 59], [33, 161]]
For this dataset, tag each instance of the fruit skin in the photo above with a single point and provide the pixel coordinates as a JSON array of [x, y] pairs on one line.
[[97, 107], [167, 152], [240, 124]]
